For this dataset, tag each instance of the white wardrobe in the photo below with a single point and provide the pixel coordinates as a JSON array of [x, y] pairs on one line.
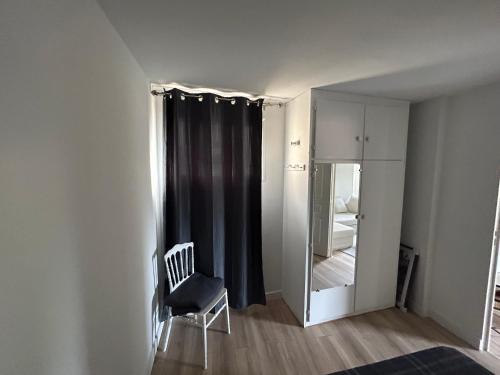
[[369, 133]]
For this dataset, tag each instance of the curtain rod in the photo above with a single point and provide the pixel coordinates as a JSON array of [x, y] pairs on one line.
[[161, 89], [217, 98]]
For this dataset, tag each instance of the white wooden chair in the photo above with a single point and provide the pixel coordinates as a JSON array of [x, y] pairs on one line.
[[192, 295]]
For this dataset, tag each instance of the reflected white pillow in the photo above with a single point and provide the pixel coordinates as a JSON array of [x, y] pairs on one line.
[[340, 206], [352, 204]]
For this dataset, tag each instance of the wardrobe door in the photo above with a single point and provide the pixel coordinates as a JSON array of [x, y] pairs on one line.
[[333, 280], [339, 130], [386, 128], [379, 234]]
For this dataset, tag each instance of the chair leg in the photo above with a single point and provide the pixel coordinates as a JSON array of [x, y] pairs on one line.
[[228, 325], [205, 341]]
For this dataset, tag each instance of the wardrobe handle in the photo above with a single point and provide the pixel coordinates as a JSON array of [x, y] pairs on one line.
[[356, 216], [367, 139], [357, 138], [362, 216]]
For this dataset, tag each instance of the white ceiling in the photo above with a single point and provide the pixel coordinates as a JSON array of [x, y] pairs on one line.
[[397, 48]]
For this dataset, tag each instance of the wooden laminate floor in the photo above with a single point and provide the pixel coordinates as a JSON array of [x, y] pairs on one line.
[[495, 335], [338, 270], [268, 340], [494, 347]]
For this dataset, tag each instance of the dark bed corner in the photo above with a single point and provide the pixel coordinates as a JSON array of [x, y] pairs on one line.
[[440, 360]]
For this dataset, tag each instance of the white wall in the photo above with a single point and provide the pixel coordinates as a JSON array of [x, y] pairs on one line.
[[273, 134], [344, 174], [425, 133], [467, 165], [76, 224]]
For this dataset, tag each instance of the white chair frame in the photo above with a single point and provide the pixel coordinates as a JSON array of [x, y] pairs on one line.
[[179, 261]]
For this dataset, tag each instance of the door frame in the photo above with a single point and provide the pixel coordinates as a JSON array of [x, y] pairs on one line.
[[327, 233], [484, 344]]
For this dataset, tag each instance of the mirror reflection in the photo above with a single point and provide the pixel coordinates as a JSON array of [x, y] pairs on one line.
[[335, 224]]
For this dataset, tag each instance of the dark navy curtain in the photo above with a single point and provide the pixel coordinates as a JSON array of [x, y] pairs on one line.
[[213, 188]]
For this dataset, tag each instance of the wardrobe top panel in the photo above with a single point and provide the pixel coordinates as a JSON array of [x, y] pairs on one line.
[[365, 99]]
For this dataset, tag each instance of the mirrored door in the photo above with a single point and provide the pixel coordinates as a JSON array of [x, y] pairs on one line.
[[334, 231], [335, 224]]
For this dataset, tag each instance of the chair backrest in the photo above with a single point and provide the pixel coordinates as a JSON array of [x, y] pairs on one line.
[[180, 264]]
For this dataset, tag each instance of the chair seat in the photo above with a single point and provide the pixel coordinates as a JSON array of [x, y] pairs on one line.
[[194, 294]]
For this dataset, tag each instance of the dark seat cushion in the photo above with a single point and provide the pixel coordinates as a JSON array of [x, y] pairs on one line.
[[194, 294]]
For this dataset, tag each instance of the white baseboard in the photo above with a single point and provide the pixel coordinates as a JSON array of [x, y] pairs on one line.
[[455, 329], [273, 292], [418, 309], [157, 338], [355, 313], [151, 362], [158, 334]]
